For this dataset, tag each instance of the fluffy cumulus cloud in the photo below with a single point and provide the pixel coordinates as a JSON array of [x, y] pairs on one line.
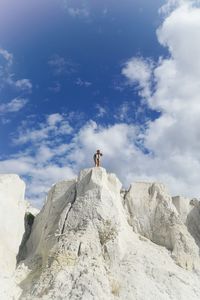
[[163, 149], [43, 160], [54, 126], [174, 138], [55, 151], [138, 70]]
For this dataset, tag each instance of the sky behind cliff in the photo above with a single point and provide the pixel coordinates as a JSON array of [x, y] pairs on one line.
[[121, 76]]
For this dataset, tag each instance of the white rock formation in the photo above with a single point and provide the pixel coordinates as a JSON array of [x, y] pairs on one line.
[[192, 220], [152, 214], [12, 210], [91, 242], [183, 207], [189, 212]]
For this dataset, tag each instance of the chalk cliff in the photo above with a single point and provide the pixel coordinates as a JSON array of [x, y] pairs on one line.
[[12, 210], [93, 240]]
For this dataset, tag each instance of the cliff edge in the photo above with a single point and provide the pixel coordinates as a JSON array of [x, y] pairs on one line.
[[12, 211], [94, 241]]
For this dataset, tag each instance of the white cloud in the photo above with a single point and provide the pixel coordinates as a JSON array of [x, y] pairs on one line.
[[13, 106], [58, 63], [174, 139], [101, 111], [84, 83], [55, 125], [44, 158], [117, 143], [6, 55], [7, 77], [122, 114], [165, 149], [171, 5], [78, 12], [53, 119], [23, 84], [54, 152], [61, 66], [137, 70], [39, 176]]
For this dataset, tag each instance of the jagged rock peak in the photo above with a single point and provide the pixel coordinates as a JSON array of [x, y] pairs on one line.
[[94, 241]]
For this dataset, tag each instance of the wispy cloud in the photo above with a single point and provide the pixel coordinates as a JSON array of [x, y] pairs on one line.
[[164, 149], [61, 66], [7, 77], [171, 5], [16, 86], [54, 125], [54, 151], [123, 112], [7, 56], [24, 84], [83, 83], [13, 106], [78, 12], [101, 111], [44, 158], [58, 63]]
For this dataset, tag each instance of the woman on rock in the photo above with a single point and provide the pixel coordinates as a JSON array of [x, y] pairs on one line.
[[97, 156]]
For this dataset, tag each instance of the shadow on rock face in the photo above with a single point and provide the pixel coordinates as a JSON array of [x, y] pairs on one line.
[[28, 223], [192, 221]]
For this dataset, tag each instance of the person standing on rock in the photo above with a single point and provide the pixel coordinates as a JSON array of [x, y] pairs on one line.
[[97, 157]]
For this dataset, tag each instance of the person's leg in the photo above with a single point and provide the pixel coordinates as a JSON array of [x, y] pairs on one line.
[[96, 162]]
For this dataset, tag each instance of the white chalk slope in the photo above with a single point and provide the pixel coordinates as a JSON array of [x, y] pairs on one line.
[[12, 210], [93, 241]]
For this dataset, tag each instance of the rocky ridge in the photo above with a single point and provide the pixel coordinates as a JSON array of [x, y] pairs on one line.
[[94, 241]]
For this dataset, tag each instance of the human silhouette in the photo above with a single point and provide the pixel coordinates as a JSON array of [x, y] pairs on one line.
[[97, 157]]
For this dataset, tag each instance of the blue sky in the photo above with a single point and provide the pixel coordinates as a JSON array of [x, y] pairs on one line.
[[74, 61], [59, 52], [81, 75]]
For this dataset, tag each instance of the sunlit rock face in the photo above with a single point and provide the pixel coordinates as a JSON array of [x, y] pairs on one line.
[[153, 214], [12, 210], [93, 240]]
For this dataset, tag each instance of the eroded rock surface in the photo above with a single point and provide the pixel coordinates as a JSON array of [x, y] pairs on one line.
[[151, 213], [12, 210], [93, 242]]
